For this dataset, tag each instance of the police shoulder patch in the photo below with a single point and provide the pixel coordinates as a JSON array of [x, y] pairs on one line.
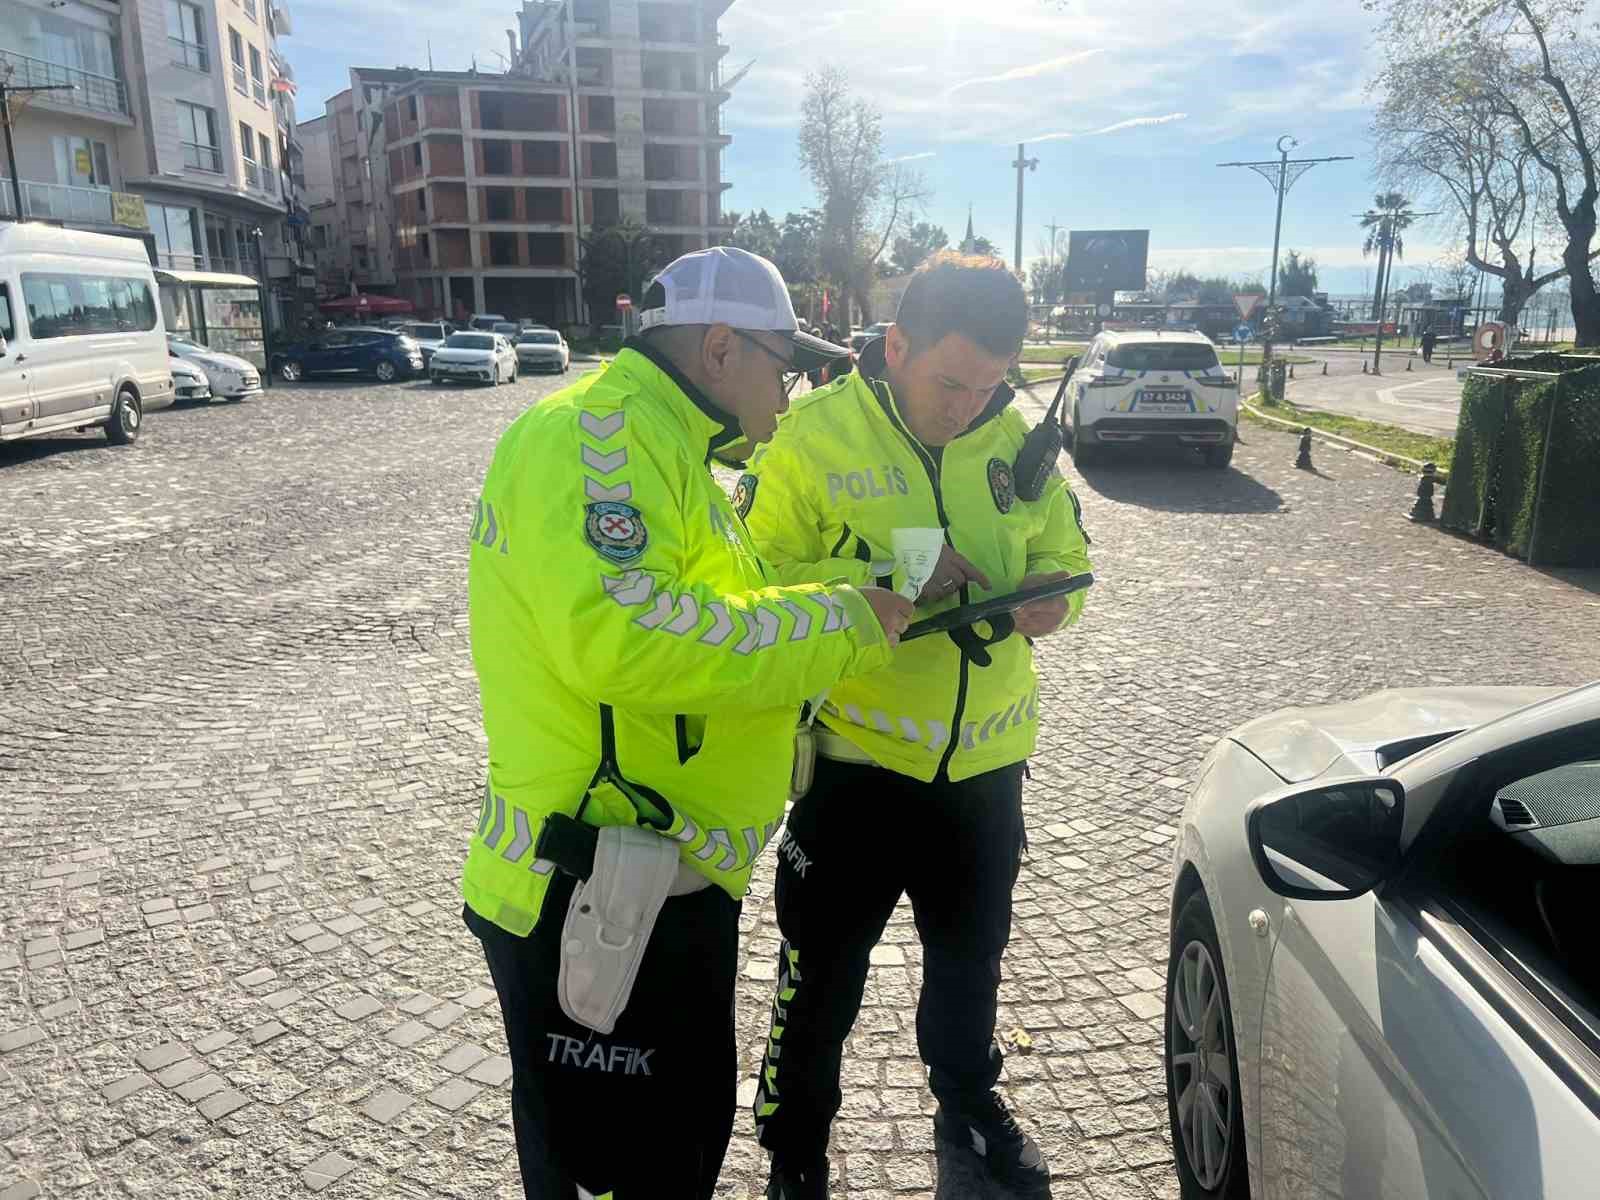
[[616, 530], [744, 495], [1002, 484]]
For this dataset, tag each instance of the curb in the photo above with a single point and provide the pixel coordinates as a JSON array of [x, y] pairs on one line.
[[1383, 456]]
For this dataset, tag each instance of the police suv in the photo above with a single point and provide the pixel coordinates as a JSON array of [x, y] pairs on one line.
[[1146, 386]]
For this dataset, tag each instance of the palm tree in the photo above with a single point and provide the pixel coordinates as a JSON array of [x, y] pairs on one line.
[[1385, 222]]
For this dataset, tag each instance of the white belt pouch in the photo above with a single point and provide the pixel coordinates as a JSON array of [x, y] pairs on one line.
[[609, 922]]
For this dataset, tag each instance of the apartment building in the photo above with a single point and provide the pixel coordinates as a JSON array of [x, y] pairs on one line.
[[177, 128], [470, 191]]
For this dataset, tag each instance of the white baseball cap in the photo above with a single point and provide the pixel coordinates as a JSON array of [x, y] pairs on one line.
[[724, 285]]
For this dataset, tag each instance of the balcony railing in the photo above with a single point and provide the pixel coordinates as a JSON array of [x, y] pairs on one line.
[[189, 54], [239, 84], [58, 202], [202, 158], [252, 174], [97, 93]]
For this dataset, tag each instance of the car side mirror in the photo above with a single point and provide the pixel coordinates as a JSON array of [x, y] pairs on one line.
[[1333, 842], [3, 350]]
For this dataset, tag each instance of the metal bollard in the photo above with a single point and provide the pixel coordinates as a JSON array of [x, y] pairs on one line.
[[1303, 459], [1324, 366], [1408, 365], [1291, 370], [1422, 511], [1363, 366]]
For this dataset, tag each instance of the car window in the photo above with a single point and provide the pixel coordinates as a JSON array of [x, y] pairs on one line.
[[329, 341], [471, 341], [540, 339], [1162, 356], [183, 346], [8, 329]]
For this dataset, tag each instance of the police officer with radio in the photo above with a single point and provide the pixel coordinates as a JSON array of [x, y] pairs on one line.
[[641, 675], [918, 782]]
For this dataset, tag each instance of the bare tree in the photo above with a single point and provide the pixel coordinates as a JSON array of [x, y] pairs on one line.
[[841, 144], [1534, 64], [904, 195], [1462, 151]]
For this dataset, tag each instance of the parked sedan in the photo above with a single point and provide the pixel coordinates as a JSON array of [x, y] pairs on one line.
[[474, 358], [543, 349], [189, 382], [230, 376], [354, 350], [1382, 978], [428, 335]]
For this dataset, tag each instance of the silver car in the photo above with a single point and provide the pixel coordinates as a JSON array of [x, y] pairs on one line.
[[1383, 979], [543, 349]]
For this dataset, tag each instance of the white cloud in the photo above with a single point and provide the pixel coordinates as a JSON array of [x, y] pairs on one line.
[[1131, 123], [1030, 71], [905, 158], [916, 69]]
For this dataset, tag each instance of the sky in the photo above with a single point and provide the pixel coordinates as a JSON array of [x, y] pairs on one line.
[[1128, 107]]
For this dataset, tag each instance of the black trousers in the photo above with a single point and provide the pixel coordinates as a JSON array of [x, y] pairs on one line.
[[860, 838], [647, 1111]]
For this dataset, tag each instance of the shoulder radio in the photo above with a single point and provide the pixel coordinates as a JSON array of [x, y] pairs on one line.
[[1036, 461]]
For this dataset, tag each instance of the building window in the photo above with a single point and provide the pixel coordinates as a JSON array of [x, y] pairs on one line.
[[177, 234], [247, 144], [258, 82], [82, 162], [250, 9], [411, 108], [496, 158], [422, 203], [186, 34], [197, 129], [541, 158], [545, 204], [425, 247], [236, 53], [603, 160], [416, 155], [604, 206], [267, 178], [602, 113], [502, 249], [499, 204], [547, 250]]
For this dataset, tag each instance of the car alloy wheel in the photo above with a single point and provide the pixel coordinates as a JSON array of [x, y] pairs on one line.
[[385, 372], [1202, 1076], [290, 371]]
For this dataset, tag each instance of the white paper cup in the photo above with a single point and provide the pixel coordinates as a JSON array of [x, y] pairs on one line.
[[916, 552]]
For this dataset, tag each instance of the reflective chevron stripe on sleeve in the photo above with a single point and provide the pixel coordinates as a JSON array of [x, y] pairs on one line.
[[757, 629], [931, 733]]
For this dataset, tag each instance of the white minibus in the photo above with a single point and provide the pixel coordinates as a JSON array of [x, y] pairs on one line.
[[81, 337]]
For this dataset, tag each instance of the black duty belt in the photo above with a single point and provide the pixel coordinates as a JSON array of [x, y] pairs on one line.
[[568, 843]]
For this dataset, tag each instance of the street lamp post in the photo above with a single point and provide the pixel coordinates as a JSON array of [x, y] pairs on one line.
[[1022, 163], [261, 299], [1282, 175]]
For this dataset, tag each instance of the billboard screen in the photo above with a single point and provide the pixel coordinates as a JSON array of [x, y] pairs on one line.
[[1107, 260]]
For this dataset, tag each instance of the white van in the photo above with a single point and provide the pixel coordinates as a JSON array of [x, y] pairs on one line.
[[81, 337]]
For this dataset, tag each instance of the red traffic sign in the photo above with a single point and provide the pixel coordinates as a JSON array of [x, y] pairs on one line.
[[624, 300]]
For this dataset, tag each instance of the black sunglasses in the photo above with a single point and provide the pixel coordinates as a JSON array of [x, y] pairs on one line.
[[791, 373]]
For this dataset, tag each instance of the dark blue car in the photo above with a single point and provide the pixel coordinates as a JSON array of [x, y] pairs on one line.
[[385, 354]]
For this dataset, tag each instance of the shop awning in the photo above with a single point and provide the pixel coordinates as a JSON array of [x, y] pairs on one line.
[[205, 278], [377, 305]]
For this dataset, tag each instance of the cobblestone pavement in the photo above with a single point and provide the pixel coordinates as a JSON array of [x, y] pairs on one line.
[[240, 752]]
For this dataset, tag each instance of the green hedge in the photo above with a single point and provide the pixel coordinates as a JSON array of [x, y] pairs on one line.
[[1500, 442]]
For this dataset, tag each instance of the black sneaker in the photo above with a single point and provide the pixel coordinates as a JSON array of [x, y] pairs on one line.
[[985, 1126], [790, 1182]]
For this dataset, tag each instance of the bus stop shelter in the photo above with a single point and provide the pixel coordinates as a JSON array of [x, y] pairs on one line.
[[215, 309]]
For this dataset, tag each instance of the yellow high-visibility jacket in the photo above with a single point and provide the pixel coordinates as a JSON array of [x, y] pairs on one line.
[[822, 500], [636, 662]]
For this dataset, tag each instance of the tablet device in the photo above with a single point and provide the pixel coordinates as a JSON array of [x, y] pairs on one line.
[[966, 614]]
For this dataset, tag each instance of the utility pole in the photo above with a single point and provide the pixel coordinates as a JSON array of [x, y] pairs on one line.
[[6, 92], [1023, 163], [1282, 175]]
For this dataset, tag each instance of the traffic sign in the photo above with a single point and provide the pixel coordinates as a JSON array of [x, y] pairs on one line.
[[1245, 302], [1104, 310], [624, 300], [1243, 333]]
